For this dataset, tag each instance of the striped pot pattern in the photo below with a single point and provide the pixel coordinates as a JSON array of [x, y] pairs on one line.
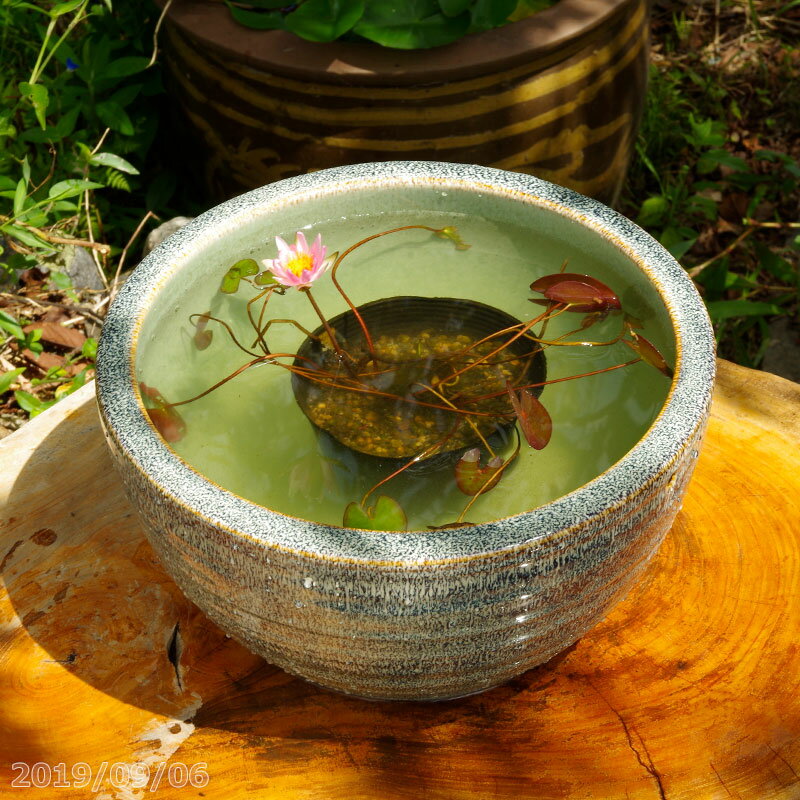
[[558, 95]]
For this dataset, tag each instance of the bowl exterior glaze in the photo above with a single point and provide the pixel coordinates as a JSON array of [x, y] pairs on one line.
[[411, 616]]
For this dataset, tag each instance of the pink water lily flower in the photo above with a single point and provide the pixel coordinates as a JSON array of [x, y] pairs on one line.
[[298, 264]]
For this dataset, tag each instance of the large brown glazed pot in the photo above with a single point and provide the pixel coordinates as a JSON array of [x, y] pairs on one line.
[[557, 95]]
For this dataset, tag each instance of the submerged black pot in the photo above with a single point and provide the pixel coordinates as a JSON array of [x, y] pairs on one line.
[[384, 406]]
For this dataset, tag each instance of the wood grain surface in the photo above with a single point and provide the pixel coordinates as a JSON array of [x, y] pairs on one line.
[[688, 690]]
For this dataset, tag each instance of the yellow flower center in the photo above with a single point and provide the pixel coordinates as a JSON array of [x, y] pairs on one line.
[[300, 262]]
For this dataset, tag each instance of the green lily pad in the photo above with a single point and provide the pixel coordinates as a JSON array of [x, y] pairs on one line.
[[385, 515], [241, 269]]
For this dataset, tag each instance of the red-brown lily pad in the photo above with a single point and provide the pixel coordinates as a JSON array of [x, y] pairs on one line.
[[649, 353], [534, 419], [202, 337], [472, 478], [581, 293], [165, 418]]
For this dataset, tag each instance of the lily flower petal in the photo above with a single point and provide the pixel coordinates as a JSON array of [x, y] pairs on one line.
[[298, 264]]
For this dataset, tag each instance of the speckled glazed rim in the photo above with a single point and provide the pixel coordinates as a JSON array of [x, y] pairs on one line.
[[684, 410]]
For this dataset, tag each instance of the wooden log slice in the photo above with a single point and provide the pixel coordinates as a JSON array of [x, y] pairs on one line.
[[688, 690]]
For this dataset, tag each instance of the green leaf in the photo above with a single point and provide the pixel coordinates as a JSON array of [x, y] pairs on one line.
[[230, 281], [705, 133], [115, 161], [712, 159], [246, 267], [241, 269], [114, 116], [38, 96], [10, 325], [257, 20], [60, 9], [31, 341], [89, 349], [26, 237], [452, 8], [410, 25], [70, 188], [264, 278], [60, 280], [724, 309], [699, 204], [324, 20], [487, 14], [33, 405], [76, 383], [20, 194], [653, 211], [62, 205], [6, 128], [127, 94], [64, 126], [8, 378], [776, 266], [385, 515], [123, 67], [31, 7], [34, 217], [715, 279], [678, 240], [26, 169]]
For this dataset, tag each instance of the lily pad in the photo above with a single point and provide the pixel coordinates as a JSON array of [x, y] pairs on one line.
[[472, 478], [385, 515]]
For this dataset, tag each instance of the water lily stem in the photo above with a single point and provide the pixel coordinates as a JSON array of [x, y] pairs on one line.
[[472, 425], [555, 380], [257, 327], [227, 327], [364, 329], [424, 454], [345, 358]]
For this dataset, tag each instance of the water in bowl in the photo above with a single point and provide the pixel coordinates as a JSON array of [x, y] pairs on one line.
[[250, 436]]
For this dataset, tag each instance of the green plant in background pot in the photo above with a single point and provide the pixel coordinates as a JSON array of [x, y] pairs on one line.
[[404, 24]]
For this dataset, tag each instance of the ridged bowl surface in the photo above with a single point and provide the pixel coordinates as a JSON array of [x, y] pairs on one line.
[[417, 615]]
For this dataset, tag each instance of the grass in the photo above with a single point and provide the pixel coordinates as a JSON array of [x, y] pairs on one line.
[[716, 176]]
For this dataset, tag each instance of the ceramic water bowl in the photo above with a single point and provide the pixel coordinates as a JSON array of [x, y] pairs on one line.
[[419, 614]]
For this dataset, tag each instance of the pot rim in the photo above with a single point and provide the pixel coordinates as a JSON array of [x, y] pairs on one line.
[[659, 449], [561, 27]]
